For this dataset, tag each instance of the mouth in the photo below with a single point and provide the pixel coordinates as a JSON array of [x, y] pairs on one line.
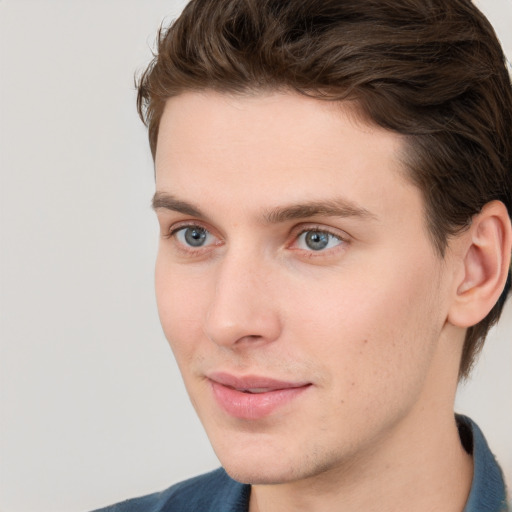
[[255, 391], [253, 397]]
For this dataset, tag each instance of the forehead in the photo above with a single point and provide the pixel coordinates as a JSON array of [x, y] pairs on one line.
[[276, 148], [267, 118]]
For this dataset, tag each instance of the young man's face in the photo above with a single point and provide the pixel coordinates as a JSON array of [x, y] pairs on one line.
[[297, 283]]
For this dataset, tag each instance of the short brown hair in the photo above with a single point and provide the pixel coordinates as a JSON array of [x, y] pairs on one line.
[[432, 70]]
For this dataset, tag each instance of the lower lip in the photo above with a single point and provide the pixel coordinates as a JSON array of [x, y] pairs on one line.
[[253, 406]]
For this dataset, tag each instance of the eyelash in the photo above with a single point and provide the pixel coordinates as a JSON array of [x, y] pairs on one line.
[[189, 250], [319, 229]]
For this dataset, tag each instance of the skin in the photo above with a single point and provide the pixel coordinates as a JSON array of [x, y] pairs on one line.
[[365, 321]]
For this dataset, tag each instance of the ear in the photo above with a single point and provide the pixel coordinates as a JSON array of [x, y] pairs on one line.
[[485, 261]]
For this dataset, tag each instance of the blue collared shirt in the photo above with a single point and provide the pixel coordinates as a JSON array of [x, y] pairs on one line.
[[488, 491], [217, 492]]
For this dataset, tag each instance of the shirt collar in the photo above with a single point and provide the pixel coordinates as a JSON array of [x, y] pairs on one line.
[[488, 487]]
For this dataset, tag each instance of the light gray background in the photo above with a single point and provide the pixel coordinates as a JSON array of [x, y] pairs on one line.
[[91, 403]]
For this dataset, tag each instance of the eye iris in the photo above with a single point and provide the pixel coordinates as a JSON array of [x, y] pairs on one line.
[[195, 237], [316, 240]]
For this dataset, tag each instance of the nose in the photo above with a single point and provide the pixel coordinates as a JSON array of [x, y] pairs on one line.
[[244, 310]]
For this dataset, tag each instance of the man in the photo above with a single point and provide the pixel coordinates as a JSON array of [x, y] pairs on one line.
[[333, 188]]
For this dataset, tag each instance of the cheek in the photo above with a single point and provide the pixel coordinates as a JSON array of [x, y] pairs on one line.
[[181, 306], [373, 330]]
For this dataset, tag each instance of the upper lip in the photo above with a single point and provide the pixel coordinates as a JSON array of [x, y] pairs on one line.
[[247, 382]]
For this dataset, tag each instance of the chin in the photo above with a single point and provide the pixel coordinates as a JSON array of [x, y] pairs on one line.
[[275, 471], [266, 461], [255, 460], [245, 474]]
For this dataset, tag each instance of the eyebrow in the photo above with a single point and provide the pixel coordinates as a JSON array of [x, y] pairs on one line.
[[169, 202], [330, 208]]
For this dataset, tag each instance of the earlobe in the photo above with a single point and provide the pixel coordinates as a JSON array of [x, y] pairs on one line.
[[485, 260]]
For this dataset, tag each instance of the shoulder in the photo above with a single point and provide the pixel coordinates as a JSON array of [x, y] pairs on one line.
[[211, 492]]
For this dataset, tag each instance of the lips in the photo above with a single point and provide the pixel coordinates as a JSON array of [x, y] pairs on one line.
[[253, 397]]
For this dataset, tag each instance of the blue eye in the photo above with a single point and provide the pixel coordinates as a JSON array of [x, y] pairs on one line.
[[316, 240], [193, 236]]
